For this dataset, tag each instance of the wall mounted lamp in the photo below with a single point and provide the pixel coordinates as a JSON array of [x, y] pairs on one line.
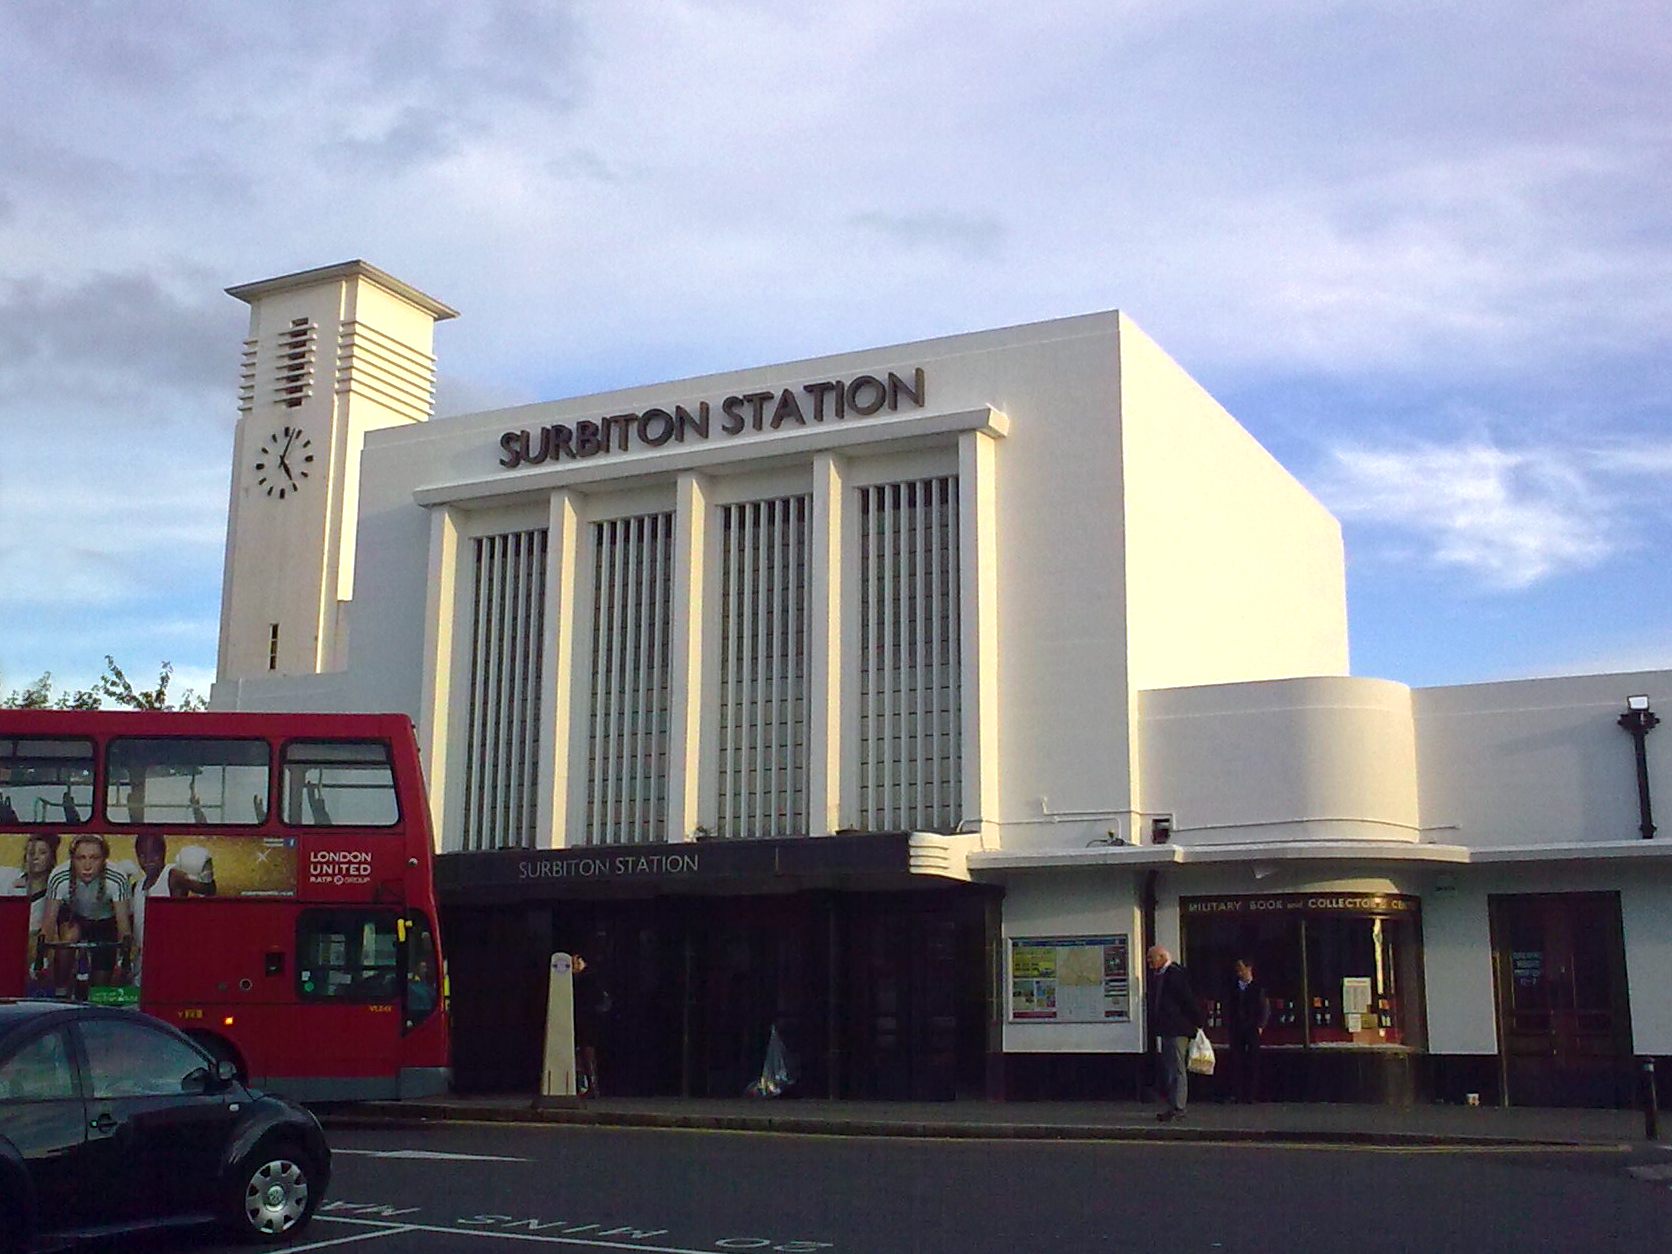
[[1639, 720]]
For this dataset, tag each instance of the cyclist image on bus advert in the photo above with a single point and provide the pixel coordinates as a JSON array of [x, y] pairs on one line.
[[88, 919]]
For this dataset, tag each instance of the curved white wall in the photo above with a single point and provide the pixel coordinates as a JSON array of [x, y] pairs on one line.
[[1327, 758]]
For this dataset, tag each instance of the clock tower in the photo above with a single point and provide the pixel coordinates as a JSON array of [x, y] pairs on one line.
[[332, 354]]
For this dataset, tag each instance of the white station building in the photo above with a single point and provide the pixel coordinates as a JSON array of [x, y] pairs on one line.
[[900, 698]]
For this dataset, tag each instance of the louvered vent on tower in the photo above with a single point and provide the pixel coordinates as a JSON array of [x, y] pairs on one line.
[[293, 363]]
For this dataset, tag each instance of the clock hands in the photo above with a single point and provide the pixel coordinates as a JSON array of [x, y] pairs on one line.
[[280, 453]]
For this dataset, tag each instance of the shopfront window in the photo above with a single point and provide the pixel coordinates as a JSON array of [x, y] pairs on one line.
[[1340, 969]]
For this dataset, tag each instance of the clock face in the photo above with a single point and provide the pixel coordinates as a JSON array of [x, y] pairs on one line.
[[284, 463]]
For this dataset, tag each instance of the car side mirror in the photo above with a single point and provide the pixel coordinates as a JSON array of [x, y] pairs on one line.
[[226, 1071]]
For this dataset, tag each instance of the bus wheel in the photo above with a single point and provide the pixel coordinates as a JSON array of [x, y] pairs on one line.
[[270, 1194], [221, 1051]]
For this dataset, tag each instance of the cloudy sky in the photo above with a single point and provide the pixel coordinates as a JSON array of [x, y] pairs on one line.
[[1422, 250]]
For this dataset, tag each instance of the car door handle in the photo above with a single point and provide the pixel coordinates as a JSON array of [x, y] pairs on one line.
[[104, 1123]]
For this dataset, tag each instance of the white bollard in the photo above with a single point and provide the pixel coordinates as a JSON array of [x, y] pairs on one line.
[[557, 1068]]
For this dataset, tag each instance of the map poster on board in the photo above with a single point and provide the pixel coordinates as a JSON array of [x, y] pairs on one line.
[[1070, 979]]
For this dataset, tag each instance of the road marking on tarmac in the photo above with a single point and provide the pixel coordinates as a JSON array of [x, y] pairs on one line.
[[448, 1230], [359, 1236], [433, 1154]]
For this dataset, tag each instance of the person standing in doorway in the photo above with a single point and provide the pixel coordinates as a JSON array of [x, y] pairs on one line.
[[1247, 1011], [1174, 1018]]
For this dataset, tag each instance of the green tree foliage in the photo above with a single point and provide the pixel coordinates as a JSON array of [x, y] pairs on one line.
[[113, 687]]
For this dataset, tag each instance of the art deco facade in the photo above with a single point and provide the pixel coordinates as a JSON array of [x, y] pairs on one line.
[[899, 698]]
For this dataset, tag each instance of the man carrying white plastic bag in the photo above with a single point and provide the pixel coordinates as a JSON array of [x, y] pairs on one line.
[[1174, 1018]]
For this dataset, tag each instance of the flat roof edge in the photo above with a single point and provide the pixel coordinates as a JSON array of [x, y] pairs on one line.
[[251, 292]]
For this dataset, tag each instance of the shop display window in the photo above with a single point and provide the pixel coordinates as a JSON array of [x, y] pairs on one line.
[[1339, 970]]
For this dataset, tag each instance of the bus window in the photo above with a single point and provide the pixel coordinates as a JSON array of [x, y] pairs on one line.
[[179, 781], [346, 955], [46, 781], [339, 783], [423, 972]]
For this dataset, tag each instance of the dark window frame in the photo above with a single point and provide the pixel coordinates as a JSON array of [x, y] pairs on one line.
[[282, 764], [373, 992], [108, 808], [92, 761]]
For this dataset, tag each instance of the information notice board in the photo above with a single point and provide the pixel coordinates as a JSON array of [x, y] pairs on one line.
[[1070, 979]]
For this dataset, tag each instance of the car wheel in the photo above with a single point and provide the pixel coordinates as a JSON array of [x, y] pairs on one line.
[[272, 1195]]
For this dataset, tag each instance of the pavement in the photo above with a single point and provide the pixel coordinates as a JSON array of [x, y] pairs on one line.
[[1415, 1126]]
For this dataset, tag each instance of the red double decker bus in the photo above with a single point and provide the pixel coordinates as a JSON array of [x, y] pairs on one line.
[[262, 881]]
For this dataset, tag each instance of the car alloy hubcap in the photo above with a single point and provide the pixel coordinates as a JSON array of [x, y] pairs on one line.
[[276, 1196]]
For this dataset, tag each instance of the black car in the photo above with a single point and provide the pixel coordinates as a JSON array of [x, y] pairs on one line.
[[111, 1121]]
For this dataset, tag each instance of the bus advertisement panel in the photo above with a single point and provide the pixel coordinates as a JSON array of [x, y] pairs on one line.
[[91, 894]]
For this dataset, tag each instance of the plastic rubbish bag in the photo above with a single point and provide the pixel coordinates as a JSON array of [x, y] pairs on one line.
[[1200, 1060], [776, 1073]]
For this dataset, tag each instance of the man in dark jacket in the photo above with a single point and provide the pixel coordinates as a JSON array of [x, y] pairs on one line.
[[1247, 1011], [1174, 1018]]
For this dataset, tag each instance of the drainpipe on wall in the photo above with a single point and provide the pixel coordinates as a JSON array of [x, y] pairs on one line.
[[1150, 1074]]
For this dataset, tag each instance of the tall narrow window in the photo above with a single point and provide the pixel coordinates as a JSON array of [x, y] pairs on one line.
[[763, 668], [273, 647], [627, 746], [502, 738], [632, 584], [910, 665]]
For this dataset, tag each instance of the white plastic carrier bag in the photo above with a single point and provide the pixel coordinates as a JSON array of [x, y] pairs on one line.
[[1201, 1054]]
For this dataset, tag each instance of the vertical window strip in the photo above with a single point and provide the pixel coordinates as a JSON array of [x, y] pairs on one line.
[[910, 767], [952, 603], [602, 657], [639, 811], [501, 758], [732, 763], [658, 636], [762, 646], [760, 665], [620, 763], [484, 705], [631, 632], [504, 697], [471, 833], [928, 671]]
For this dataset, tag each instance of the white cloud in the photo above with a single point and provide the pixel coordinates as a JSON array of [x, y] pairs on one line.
[[1511, 517], [1639, 459]]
